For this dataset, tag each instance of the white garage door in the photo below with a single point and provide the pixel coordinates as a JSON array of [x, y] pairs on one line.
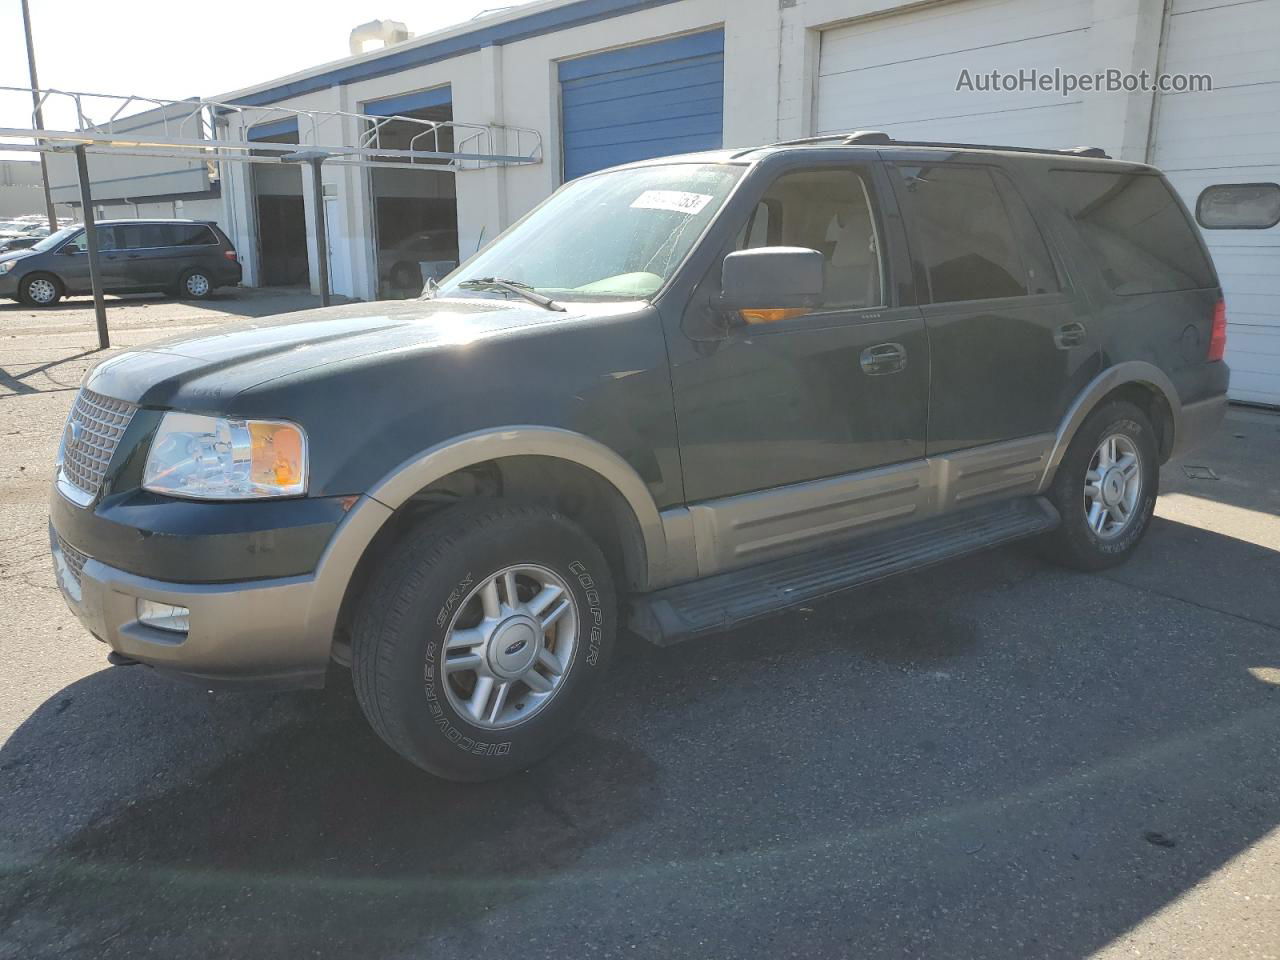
[[899, 73], [1231, 135]]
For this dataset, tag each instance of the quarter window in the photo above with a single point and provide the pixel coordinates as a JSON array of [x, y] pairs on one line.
[[829, 211], [969, 246], [1138, 233], [189, 235], [1239, 206]]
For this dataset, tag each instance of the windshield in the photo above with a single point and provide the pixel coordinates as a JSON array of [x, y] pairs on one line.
[[617, 235], [53, 239]]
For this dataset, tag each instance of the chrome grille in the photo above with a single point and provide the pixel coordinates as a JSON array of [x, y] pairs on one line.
[[74, 559], [93, 430]]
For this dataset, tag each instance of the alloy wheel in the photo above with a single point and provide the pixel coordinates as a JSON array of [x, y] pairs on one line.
[[197, 284], [510, 646], [1112, 486]]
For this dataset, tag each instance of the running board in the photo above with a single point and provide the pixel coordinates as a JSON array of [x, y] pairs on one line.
[[728, 599]]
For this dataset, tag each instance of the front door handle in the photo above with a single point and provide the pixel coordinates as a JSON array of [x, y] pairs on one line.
[[1070, 335], [884, 358]]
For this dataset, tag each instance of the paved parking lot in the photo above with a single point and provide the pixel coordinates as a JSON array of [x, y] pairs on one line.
[[995, 758]]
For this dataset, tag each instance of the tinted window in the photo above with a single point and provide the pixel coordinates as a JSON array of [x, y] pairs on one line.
[[1138, 233], [190, 235], [132, 236], [1042, 276], [969, 247], [828, 211], [1239, 206]]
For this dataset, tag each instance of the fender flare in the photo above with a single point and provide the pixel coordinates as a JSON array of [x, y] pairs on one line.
[[457, 453], [1130, 371]]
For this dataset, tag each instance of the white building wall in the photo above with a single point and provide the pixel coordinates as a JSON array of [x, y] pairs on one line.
[[772, 58]]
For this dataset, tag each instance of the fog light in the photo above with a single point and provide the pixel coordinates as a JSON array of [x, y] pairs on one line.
[[164, 616]]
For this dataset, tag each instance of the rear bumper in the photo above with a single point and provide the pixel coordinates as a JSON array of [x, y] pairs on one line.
[[1198, 422], [275, 633]]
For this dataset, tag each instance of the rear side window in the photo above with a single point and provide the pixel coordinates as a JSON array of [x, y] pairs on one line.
[[190, 235], [1137, 231], [969, 245]]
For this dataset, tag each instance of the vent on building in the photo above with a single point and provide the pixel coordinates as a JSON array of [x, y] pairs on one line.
[[376, 34]]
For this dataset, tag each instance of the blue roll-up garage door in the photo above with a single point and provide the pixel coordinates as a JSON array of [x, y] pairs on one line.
[[644, 101]]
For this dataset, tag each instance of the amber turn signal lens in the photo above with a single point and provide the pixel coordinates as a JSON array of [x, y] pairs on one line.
[[771, 316], [277, 454]]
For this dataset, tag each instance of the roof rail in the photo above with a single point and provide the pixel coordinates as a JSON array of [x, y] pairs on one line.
[[880, 138]]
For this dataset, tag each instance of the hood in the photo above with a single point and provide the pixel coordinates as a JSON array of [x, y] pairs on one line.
[[13, 255], [203, 373]]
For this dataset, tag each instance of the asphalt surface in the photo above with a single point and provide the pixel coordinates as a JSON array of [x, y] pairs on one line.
[[994, 758]]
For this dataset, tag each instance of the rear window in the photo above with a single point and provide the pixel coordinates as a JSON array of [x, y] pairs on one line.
[[1138, 233]]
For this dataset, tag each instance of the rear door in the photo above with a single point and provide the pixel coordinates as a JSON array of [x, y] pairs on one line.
[[125, 265], [840, 389], [1010, 342]]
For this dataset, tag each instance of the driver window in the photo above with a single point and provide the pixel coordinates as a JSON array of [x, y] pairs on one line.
[[828, 211]]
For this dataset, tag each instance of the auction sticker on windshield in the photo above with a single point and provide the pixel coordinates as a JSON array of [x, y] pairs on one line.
[[676, 200]]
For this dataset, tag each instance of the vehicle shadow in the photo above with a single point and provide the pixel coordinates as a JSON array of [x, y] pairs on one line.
[[993, 758]]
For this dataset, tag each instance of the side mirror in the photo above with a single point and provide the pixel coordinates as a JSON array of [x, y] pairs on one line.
[[69, 249], [772, 277], [771, 280]]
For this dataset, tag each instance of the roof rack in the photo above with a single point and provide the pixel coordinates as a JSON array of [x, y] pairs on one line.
[[864, 138]]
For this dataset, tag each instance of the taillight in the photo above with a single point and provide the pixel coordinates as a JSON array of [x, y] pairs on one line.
[[1218, 336], [229, 254]]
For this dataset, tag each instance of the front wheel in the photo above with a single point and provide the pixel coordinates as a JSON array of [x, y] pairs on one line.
[[40, 290], [482, 637], [1105, 488]]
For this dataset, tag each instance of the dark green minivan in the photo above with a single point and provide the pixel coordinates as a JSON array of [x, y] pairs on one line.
[[677, 395], [187, 258]]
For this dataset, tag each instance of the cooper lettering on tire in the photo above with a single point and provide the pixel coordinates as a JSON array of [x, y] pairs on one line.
[[482, 638]]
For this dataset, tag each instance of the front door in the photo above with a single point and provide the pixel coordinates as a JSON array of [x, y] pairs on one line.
[[780, 400], [1011, 345]]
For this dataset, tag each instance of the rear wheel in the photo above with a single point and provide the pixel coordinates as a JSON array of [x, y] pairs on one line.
[[40, 290], [195, 285], [1105, 489], [482, 637]]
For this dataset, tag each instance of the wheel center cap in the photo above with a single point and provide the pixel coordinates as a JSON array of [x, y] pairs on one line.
[[1113, 487], [513, 646]]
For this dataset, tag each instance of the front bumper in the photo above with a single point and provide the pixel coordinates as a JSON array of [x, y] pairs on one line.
[[275, 632]]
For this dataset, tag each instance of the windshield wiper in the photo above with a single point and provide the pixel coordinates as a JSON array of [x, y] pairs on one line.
[[513, 286]]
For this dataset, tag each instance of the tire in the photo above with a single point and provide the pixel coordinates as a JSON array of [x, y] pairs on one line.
[[428, 590], [1079, 543], [40, 290], [195, 285]]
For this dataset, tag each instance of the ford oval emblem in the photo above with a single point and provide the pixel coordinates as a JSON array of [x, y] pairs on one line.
[[515, 648]]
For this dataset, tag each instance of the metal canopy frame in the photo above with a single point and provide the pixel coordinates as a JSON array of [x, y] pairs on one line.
[[197, 129]]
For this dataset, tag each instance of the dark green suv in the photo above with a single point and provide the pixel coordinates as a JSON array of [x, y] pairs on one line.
[[678, 395]]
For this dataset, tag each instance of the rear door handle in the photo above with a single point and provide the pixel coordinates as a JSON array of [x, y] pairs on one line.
[[1070, 335], [884, 358]]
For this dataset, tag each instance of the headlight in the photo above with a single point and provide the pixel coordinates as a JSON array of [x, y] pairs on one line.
[[211, 458], [5, 267]]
